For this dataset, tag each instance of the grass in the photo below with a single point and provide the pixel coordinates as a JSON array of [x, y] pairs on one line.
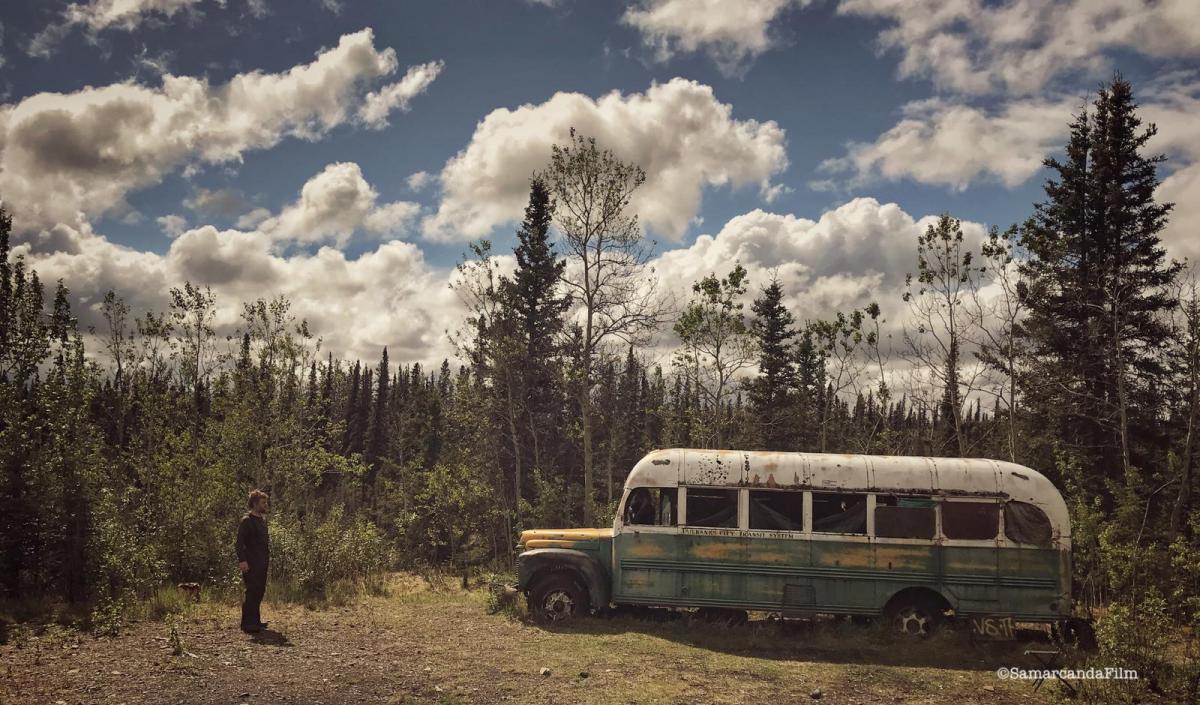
[[422, 639]]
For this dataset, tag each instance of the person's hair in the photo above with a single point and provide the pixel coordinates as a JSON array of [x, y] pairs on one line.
[[255, 496]]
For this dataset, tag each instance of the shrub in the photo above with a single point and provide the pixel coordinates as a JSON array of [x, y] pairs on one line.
[[312, 558]]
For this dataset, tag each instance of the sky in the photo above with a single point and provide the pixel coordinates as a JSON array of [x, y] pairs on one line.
[[343, 153]]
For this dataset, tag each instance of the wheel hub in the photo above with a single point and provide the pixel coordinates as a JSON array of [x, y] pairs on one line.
[[558, 605], [912, 621]]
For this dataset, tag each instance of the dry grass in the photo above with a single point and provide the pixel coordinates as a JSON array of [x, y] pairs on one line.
[[427, 641]]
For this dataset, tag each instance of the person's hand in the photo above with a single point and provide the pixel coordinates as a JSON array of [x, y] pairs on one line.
[[244, 566]]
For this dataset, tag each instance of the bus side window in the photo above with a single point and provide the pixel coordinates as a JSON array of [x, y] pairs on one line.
[[776, 510], [651, 507], [639, 509], [970, 520], [709, 507], [836, 513], [1027, 523], [905, 517]]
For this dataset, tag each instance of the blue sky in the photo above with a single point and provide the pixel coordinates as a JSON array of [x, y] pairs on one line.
[[947, 130]]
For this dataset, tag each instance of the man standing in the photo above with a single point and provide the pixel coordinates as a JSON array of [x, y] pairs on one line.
[[254, 554]]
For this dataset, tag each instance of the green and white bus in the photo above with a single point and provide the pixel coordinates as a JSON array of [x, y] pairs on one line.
[[914, 539]]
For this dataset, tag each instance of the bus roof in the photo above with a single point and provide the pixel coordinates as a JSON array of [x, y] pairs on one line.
[[951, 477]]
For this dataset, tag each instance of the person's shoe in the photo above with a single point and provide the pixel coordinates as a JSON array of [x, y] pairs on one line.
[[262, 625], [251, 629]]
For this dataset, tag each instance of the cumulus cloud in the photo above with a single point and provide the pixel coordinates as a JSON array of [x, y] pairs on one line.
[[419, 180], [92, 147], [333, 205], [341, 298], [98, 15], [172, 225], [850, 256], [678, 131], [379, 104], [223, 202], [251, 220], [732, 33], [941, 142], [1020, 46]]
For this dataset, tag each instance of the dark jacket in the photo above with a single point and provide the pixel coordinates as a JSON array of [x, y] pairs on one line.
[[253, 544]]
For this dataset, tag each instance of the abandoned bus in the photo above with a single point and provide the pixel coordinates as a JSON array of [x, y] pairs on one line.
[[914, 539]]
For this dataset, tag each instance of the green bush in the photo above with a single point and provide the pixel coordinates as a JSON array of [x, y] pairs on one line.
[[310, 559]]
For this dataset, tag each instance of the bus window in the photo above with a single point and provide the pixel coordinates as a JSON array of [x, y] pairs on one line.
[[970, 520], [839, 513], [710, 507], [775, 510], [1026, 523], [651, 507], [905, 517]]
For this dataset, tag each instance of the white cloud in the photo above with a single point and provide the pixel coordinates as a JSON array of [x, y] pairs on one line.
[[943, 143], [732, 33], [1021, 46], [98, 15], [225, 202], [853, 254], [92, 147], [951, 144], [251, 220], [419, 180], [335, 203], [678, 131], [343, 299], [172, 225], [396, 96]]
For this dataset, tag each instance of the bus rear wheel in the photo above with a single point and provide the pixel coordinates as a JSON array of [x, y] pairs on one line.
[[557, 599], [915, 616]]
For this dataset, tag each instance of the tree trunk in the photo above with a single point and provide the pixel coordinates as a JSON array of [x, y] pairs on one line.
[[516, 443], [1183, 499], [585, 407]]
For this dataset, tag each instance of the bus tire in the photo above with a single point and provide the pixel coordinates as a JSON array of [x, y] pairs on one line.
[[915, 614], [556, 598]]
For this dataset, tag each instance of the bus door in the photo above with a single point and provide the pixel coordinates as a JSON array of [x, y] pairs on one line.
[[646, 547]]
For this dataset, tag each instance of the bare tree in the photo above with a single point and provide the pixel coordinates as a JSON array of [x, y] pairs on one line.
[[716, 345], [939, 320], [611, 286], [1187, 337], [997, 316]]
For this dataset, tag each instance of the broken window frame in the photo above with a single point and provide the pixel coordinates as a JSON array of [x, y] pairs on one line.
[[817, 495], [691, 494], [1011, 527], [662, 500], [897, 501], [947, 502], [796, 495]]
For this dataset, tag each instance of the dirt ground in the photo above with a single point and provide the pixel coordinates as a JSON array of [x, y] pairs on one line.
[[421, 645]]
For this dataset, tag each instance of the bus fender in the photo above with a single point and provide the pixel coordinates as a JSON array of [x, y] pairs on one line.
[[536, 562]]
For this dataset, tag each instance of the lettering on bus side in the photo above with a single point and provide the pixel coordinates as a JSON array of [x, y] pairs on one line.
[[732, 533]]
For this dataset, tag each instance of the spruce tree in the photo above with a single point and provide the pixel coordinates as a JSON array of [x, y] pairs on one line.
[[377, 434], [1099, 281], [771, 392]]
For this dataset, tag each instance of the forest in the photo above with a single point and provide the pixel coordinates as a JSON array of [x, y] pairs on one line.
[[1068, 342]]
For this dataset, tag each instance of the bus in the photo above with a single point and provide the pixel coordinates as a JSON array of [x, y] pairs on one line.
[[915, 540]]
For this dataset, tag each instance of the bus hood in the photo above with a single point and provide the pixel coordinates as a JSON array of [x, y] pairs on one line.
[[562, 538]]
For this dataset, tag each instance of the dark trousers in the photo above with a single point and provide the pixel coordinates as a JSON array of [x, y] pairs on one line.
[[256, 585]]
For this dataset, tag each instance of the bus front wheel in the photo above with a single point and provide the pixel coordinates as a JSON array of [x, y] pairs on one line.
[[556, 599]]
